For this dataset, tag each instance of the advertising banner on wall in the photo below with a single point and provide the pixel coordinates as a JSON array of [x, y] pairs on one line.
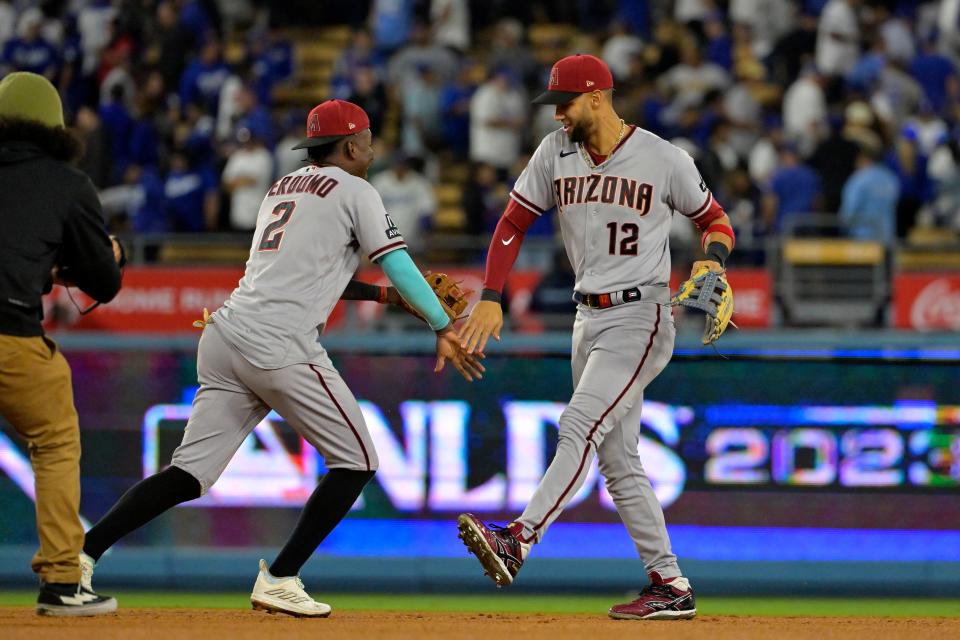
[[927, 301], [169, 299], [162, 300]]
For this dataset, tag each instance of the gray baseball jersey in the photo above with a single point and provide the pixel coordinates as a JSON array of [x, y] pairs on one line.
[[262, 349], [312, 228], [615, 217], [615, 222]]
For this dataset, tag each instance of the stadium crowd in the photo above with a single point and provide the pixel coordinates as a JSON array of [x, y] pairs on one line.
[[847, 107]]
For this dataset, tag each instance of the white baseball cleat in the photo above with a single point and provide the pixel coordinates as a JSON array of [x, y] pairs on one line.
[[285, 595], [86, 571]]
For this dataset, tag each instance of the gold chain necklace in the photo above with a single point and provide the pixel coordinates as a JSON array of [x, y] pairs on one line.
[[586, 156]]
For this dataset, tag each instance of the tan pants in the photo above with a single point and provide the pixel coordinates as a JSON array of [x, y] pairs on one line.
[[36, 398]]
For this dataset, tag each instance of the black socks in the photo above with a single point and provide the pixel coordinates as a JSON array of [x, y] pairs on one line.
[[147, 499], [142, 503], [327, 506]]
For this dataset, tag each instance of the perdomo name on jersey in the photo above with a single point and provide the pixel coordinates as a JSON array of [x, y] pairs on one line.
[[319, 185], [620, 192]]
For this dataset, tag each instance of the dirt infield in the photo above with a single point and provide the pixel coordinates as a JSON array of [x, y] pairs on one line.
[[136, 624]]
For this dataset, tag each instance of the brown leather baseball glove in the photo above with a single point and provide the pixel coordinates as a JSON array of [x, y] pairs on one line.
[[452, 298]]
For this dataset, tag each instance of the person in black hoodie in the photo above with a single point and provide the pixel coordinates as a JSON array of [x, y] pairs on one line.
[[51, 231]]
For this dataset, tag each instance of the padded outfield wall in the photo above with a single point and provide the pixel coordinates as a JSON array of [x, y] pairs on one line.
[[811, 462]]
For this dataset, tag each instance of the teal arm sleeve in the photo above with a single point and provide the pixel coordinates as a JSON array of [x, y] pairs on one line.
[[408, 280]]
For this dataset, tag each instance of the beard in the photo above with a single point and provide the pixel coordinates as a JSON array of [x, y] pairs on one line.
[[579, 133]]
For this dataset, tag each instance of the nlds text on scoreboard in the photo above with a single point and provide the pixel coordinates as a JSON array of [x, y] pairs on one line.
[[435, 457]]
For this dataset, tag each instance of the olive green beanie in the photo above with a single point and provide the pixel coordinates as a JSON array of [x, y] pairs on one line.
[[31, 97]]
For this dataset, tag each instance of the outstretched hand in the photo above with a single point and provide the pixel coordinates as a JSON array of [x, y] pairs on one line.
[[485, 320], [448, 348]]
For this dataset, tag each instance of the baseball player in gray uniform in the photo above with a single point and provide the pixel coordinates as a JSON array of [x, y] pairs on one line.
[[262, 350], [615, 188]]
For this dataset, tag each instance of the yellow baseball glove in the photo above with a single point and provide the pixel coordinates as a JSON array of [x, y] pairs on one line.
[[709, 292]]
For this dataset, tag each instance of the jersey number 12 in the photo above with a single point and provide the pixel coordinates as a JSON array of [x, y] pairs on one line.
[[273, 233], [628, 242]]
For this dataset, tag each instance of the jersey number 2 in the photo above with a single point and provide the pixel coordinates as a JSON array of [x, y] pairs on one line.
[[628, 243], [273, 234]]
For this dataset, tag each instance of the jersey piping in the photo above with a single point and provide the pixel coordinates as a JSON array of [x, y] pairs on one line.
[[384, 250]]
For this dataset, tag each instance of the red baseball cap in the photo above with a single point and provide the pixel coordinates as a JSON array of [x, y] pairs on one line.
[[573, 75], [332, 120]]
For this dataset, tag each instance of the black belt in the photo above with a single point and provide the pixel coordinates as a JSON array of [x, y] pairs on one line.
[[607, 300]]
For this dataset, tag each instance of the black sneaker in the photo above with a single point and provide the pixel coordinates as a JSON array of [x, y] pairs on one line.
[[57, 599]]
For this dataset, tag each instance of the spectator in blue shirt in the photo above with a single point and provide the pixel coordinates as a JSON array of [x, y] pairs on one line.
[[719, 43], [253, 116], [146, 205], [391, 21], [271, 62], [908, 162], [455, 111], [794, 188], [72, 86], [869, 207], [29, 51], [198, 140], [118, 125], [937, 74], [204, 77], [358, 55], [195, 18], [636, 15], [192, 195], [145, 141]]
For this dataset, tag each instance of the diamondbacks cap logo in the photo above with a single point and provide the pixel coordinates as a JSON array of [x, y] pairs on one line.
[[314, 124], [554, 77]]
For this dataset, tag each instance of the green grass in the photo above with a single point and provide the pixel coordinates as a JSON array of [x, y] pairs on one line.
[[507, 603]]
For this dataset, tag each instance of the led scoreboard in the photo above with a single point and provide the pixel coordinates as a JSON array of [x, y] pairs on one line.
[[913, 444], [732, 446], [425, 461]]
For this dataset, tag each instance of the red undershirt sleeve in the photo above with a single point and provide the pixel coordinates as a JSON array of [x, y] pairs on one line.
[[712, 212], [504, 248]]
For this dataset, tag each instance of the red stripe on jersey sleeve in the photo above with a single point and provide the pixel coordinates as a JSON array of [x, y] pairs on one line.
[[702, 209], [713, 212], [387, 249], [529, 205]]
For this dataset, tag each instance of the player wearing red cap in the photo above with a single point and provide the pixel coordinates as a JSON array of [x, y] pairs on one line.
[[262, 350], [615, 188]]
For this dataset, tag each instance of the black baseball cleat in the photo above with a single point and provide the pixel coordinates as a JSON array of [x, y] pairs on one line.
[[497, 548], [662, 599], [58, 599]]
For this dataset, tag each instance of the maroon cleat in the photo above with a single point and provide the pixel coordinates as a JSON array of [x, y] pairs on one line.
[[670, 599], [497, 548]]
